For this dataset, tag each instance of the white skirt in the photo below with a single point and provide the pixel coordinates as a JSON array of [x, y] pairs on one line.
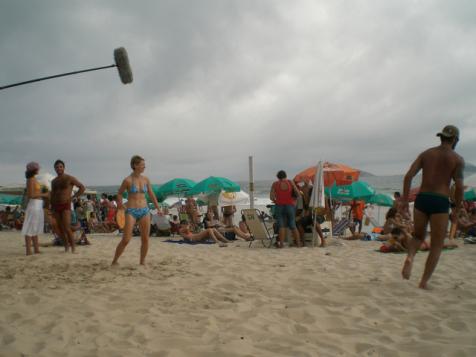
[[34, 218]]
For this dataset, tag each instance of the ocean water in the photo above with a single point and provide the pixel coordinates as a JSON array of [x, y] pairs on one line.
[[382, 184]]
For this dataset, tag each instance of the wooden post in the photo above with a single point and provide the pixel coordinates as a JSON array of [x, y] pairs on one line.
[[251, 182]]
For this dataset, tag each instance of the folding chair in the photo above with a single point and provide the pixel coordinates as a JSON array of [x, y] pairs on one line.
[[340, 226], [257, 227]]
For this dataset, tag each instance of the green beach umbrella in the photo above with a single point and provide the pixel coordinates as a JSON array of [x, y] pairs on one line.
[[470, 194], [380, 199], [357, 190], [214, 184], [176, 187]]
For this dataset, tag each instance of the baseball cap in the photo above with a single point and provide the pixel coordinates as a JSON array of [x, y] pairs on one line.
[[449, 131]]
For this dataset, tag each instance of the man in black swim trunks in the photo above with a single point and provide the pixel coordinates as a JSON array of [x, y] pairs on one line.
[[440, 165]]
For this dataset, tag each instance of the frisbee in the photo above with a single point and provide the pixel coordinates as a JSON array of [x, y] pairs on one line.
[[120, 218]]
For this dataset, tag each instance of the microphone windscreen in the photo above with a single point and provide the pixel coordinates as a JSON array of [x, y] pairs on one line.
[[122, 63]]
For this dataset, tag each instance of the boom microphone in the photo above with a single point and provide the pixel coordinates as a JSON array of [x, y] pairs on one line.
[[121, 62]]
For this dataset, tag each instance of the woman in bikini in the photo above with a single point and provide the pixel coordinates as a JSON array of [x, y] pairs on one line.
[[137, 211]]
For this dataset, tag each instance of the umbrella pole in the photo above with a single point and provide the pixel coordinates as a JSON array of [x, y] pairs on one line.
[[314, 233]]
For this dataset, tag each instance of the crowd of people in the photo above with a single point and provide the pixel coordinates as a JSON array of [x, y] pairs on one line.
[[67, 213]]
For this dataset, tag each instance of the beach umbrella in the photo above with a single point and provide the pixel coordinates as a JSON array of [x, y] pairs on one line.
[[470, 194], [318, 199], [380, 199], [239, 198], [338, 174], [356, 190], [214, 184], [175, 187]]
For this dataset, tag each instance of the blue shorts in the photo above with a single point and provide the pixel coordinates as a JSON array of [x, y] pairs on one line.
[[286, 216]]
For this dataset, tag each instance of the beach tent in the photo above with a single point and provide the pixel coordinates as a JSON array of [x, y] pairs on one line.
[[214, 184], [240, 198], [338, 174]]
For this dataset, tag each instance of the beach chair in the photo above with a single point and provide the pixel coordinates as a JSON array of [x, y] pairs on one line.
[[340, 226], [258, 228]]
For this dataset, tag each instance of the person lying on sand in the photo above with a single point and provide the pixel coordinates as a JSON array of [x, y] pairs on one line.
[[209, 222], [186, 232]]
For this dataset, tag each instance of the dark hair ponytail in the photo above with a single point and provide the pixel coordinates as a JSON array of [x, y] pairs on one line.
[[30, 174]]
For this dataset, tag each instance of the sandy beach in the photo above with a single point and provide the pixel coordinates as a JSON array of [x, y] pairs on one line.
[[203, 300]]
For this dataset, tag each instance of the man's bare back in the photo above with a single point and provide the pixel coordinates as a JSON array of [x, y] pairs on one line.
[[439, 165]]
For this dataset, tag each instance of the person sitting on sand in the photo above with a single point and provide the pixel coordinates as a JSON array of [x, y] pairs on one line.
[[192, 211], [96, 226], [228, 213], [174, 224], [210, 222], [76, 226], [394, 220], [187, 234], [242, 225], [304, 224], [467, 222], [397, 241]]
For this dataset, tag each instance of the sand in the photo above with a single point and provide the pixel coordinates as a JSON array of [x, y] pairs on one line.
[[203, 300]]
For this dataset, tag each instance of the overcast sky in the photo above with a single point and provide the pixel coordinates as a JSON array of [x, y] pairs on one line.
[[364, 83]]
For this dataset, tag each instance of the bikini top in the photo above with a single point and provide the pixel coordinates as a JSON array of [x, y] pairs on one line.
[[134, 188]]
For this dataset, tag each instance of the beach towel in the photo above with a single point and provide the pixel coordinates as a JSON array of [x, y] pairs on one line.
[[189, 242], [383, 250]]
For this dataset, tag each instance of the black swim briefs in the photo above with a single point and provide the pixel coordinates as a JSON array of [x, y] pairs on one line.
[[432, 203]]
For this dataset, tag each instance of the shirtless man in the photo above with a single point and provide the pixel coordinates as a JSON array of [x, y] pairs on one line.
[[61, 190], [440, 164]]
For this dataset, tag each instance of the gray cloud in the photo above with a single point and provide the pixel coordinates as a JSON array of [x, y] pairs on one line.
[[363, 83]]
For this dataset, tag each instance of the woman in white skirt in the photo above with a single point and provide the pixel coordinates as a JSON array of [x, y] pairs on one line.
[[34, 216]]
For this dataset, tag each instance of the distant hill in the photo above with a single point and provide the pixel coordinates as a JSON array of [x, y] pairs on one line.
[[469, 169], [367, 174]]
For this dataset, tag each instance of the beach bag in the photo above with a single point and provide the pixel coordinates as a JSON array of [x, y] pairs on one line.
[[367, 221]]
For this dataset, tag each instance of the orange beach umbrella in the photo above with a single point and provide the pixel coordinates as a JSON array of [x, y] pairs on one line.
[[333, 173]]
